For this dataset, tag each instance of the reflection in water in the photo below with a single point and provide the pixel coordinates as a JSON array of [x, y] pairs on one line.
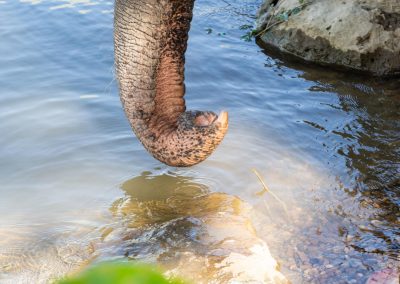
[[363, 151], [326, 143], [369, 141], [173, 221], [35, 255], [82, 6]]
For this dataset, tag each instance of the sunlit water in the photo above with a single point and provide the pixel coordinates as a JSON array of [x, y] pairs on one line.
[[77, 187]]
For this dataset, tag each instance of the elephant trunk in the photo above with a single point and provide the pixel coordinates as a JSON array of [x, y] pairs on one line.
[[150, 40]]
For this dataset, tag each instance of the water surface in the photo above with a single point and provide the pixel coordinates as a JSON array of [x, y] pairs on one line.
[[77, 186]]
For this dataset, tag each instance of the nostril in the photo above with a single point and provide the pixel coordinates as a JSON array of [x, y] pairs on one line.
[[203, 120]]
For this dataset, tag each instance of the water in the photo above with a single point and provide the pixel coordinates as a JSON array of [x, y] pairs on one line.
[[77, 187]]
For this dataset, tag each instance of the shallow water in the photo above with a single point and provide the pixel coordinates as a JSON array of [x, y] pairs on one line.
[[77, 186]]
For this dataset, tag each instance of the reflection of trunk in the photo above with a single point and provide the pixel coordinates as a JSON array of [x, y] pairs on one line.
[[150, 43], [202, 236]]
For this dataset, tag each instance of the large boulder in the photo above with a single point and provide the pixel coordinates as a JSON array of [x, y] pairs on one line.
[[359, 34]]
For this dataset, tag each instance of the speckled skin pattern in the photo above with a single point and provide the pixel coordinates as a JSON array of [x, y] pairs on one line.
[[150, 40]]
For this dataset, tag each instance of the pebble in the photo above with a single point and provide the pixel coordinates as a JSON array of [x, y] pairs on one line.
[[376, 223], [376, 205], [354, 263], [310, 272]]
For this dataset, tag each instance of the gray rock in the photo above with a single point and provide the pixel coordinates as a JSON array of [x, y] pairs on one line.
[[359, 34]]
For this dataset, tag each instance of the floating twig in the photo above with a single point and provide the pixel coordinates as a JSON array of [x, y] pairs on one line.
[[267, 190]]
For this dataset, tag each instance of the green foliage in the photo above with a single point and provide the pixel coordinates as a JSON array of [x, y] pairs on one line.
[[282, 16], [208, 30], [296, 10], [246, 27], [250, 34], [120, 273]]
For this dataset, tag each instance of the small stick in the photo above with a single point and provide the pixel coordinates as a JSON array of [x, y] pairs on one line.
[[266, 189], [268, 26], [272, 15]]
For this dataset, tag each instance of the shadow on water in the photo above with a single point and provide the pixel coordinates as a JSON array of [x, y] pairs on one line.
[[367, 139], [369, 142], [176, 222]]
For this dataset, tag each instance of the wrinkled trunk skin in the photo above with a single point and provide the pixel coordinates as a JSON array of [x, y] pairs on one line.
[[150, 40]]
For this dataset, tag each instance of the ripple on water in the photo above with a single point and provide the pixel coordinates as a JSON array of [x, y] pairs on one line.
[[178, 223], [326, 143]]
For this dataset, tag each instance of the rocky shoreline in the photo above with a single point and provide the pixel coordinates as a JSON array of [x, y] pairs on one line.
[[362, 35]]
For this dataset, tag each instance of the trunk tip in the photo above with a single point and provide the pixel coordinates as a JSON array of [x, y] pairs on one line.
[[223, 118]]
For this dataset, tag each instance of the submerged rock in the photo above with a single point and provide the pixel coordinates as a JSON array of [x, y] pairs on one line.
[[386, 276], [359, 34], [201, 236]]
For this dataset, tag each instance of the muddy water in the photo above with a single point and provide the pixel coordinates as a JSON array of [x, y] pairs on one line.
[[77, 187]]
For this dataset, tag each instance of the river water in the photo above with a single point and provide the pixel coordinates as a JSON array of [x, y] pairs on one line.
[[77, 187]]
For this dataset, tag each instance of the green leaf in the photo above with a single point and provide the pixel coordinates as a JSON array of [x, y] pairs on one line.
[[296, 10], [286, 16], [120, 273], [246, 37], [208, 30], [245, 27]]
